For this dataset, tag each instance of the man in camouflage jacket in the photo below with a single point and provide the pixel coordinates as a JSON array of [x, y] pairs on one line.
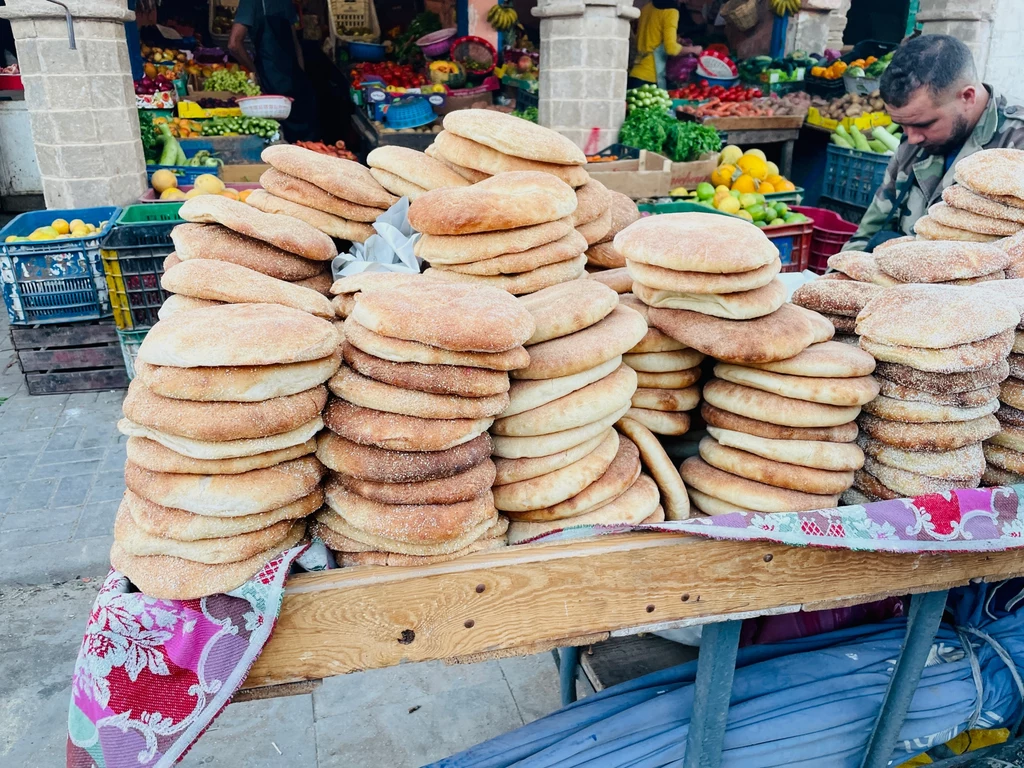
[[931, 88]]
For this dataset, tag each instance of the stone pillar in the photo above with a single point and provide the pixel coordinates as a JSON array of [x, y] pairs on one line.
[[837, 25], [584, 58], [966, 20], [81, 102]]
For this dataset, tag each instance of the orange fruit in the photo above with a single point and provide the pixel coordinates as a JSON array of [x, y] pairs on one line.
[[244, 195], [766, 188], [774, 179], [786, 186], [745, 183], [723, 175]]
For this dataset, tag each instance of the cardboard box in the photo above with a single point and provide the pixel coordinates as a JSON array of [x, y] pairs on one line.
[[648, 176], [189, 106], [691, 174], [243, 173]]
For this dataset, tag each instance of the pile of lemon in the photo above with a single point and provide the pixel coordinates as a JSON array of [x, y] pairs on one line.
[[749, 172], [58, 229], [166, 185]]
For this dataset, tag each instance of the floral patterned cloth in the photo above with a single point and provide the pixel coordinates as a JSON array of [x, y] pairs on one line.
[[153, 674]]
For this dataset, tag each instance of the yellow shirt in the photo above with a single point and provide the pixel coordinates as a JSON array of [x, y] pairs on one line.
[[656, 27]]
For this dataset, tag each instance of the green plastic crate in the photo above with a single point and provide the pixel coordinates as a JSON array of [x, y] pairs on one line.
[[150, 213]]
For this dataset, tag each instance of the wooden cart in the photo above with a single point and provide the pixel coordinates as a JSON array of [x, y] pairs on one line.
[[524, 600]]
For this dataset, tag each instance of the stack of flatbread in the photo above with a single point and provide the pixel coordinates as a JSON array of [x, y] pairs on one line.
[[618, 279], [558, 456], [221, 420], [781, 434], [513, 231], [941, 353], [985, 205], [347, 289], [837, 300], [409, 173], [702, 262], [667, 373], [1004, 452], [602, 254], [478, 143], [339, 197], [230, 253], [425, 374], [863, 267]]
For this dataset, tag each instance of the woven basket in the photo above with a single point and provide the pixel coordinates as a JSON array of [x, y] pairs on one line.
[[742, 14]]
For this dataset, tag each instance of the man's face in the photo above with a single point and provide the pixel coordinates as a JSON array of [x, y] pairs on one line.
[[937, 123]]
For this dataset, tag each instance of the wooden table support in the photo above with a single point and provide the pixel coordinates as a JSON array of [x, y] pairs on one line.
[[716, 666]]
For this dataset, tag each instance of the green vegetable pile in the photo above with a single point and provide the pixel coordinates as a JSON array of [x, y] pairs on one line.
[[647, 96], [245, 126], [150, 144], [530, 113], [406, 51], [883, 141], [233, 80], [655, 130]]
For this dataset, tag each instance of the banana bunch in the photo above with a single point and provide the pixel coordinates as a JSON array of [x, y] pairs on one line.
[[782, 7], [504, 19]]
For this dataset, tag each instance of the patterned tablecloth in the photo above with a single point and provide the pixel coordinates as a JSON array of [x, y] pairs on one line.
[[152, 675]]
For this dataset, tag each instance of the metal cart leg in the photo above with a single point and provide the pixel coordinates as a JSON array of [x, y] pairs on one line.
[[567, 660], [922, 624], [716, 665]]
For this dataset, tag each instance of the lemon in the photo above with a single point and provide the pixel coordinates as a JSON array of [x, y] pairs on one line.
[[163, 180], [729, 205], [11, 239], [76, 224], [43, 233], [731, 154], [209, 184], [79, 232], [745, 215], [756, 153], [194, 192], [172, 193], [61, 226], [773, 169]]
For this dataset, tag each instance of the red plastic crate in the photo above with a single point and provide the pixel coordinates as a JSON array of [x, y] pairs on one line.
[[831, 233], [11, 83]]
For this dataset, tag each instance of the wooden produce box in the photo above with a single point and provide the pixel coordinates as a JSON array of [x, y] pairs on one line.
[[774, 123], [648, 176], [70, 357]]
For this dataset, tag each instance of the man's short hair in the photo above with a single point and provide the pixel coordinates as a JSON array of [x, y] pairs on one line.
[[935, 62]]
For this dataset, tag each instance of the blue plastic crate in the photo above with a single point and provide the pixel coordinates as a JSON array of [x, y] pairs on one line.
[[852, 176], [55, 281]]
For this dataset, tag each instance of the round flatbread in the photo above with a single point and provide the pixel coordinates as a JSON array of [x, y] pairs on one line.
[[212, 241], [617, 279], [153, 456], [342, 178], [511, 136], [605, 256], [930, 261], [566, 249], [920, 412], [224, 449], [666, 399], [656, 460], [946, 436], [1004, 458], [927, 228], [526, 394], [957, 218], [944, 383], [310, 195], [597, 230], [618, 332], [545, 445], [845, 433], [745, 305], [514, 470], [862, 267], [522, 283], [661, 422], [415, 167], [835, 297], [778, 336], [669, 380], [662, 279], [400, 351], [330, 518], [466, 249], [814, 454], [712, 506], [959, 359], [971, 399], [461, 381], [910, 484], [959, 196], [773, 473], [967, 463], [446, 490], [749, 494], [555, 487], [830, 391], [1010, 436], [1011, 392], [995, 477], [697, 242], [775, 409], [397, 432], [593, 200], [328, 223], [663, 362], [367, 462], [568, 307]]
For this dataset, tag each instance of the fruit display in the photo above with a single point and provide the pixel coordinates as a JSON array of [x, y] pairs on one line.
[[530, 113], [747, 172], [208, 103], [180, 127], [159, 55], [58, 229], [850, 105], [234, 81], [783, 7], [241, 126], [654, 129], [503, 18], [223, 18], [447, 73], [337, 149], [833, 71], [150, 85], [390, 72], [752, 206], [703, 91], [165, 184], [789, 69], [791, 104], [648, 96], [870, 67], [882, 141]]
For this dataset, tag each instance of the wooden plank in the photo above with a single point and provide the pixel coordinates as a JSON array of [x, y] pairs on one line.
[[773, 123], [71, 357], [366, 618], [745, 137], [627, 658], [76, 381], [68, 335], [277, 691]]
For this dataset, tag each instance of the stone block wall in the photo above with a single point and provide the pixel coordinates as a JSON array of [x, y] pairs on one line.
[[1002, 69], [82, 108], [584, 55]]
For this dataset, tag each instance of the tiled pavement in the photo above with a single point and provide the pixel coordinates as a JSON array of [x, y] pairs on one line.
[[61, 476]]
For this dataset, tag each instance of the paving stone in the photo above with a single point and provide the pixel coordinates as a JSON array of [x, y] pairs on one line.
[[63, 439], [72, 491], [97, 519], [41, 563], [43, 534], [20, 466], [109, 487], [275, 733], [534, 684], [71, 455], [35, 494], [65, 469], [29, 440], [114, 462], [41, 518], [98, 438], [422, 728]]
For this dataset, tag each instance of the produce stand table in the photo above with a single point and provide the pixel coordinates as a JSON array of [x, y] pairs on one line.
[[371, 139], [752, 137], [573, 593]]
